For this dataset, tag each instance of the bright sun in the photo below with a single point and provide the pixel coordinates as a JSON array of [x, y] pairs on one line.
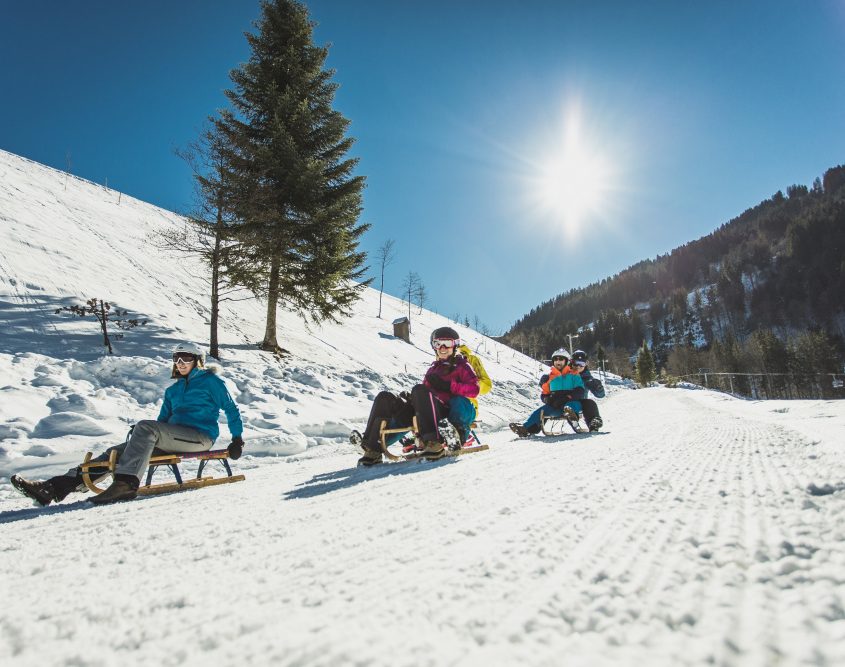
[[573, 183]]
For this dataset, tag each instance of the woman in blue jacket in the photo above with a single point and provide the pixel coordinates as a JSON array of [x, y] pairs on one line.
[[187, 422]]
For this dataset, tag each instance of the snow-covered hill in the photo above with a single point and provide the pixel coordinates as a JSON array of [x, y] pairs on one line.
[[698, 529]]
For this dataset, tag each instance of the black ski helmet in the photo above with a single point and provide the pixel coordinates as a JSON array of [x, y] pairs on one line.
[[579, 355], [447, 333]]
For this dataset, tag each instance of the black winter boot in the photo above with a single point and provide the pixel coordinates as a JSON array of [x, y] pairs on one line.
[[64, 485], [596, 423], [124, 487], [433, 450], [520, 430], [357, 440], [449, 434], [41, 492], [370, 458]]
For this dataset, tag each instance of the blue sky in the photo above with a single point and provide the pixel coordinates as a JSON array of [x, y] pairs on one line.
[[512, 150]]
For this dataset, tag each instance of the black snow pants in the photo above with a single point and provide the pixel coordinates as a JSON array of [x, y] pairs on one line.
[[589, 408], [399, 412]]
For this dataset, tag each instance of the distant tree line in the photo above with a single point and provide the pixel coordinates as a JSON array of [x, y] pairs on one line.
[[805, 365]]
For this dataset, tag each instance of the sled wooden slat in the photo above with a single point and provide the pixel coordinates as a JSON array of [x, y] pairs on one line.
[[170, 487], [419, 456], [467, 450], [208, 456], [165, 460]]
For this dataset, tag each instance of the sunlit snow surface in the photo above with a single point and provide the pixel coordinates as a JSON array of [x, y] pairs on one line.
[[698, 529]]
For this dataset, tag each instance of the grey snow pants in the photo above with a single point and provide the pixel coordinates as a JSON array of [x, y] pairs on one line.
[[133, 457]]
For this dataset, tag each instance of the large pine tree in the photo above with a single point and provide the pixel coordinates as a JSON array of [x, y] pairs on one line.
[[296, 192], [646, 368]]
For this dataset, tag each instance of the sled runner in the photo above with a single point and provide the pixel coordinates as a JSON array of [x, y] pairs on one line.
[[171, 461], [557, 425], [449, 434]]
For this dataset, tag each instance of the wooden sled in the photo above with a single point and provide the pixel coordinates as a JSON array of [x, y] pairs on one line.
[[414, 428], [557, 425], [171, 461]]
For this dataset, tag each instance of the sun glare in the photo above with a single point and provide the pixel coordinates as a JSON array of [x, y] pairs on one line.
[[573, 182]]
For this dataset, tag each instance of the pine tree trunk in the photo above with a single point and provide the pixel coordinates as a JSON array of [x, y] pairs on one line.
[[215, 312], [215, 301], [214, 344], [270, 343]]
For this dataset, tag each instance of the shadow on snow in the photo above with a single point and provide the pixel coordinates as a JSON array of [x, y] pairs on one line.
[[34, 326], [344, 479], [563, 437]]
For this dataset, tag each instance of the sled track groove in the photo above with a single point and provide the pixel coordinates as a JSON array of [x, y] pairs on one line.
[[667, 559]]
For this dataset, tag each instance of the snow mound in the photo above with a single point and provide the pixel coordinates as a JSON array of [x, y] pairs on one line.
[[73, 403], [61, 424], [285, 443]]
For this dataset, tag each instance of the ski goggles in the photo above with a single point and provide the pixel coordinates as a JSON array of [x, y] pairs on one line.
[[579, 364], [554, 359], [184, 358], [439, 343]]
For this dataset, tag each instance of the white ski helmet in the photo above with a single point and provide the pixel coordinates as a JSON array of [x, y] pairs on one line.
[[560, 352], [191, 348]]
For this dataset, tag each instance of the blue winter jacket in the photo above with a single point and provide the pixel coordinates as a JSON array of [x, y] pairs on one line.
[[196, 401], [575, 386]]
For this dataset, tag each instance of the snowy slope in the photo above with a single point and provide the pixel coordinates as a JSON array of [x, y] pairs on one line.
[[699, 529]]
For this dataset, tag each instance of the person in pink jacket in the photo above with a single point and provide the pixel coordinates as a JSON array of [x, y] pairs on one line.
[[448, 376]]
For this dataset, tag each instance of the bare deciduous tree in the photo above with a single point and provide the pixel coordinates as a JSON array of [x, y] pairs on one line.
[[102, 311], [410, 290], [208, 230], [385, 256], [422, 296]]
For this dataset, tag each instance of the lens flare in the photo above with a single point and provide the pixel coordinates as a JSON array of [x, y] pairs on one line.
[[572, 184]]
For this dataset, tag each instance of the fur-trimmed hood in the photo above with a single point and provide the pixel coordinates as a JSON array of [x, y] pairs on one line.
[[214, 369]]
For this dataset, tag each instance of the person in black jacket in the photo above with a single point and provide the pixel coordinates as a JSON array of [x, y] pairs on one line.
[[594, 385]]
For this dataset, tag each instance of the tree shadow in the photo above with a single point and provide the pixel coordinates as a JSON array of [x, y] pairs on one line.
[[255, 347], [323, 483], [35, 325]]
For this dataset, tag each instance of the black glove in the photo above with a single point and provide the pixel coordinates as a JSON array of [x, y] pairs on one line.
[[438, 383], [557, 399], [405, 396], [236, 447]]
